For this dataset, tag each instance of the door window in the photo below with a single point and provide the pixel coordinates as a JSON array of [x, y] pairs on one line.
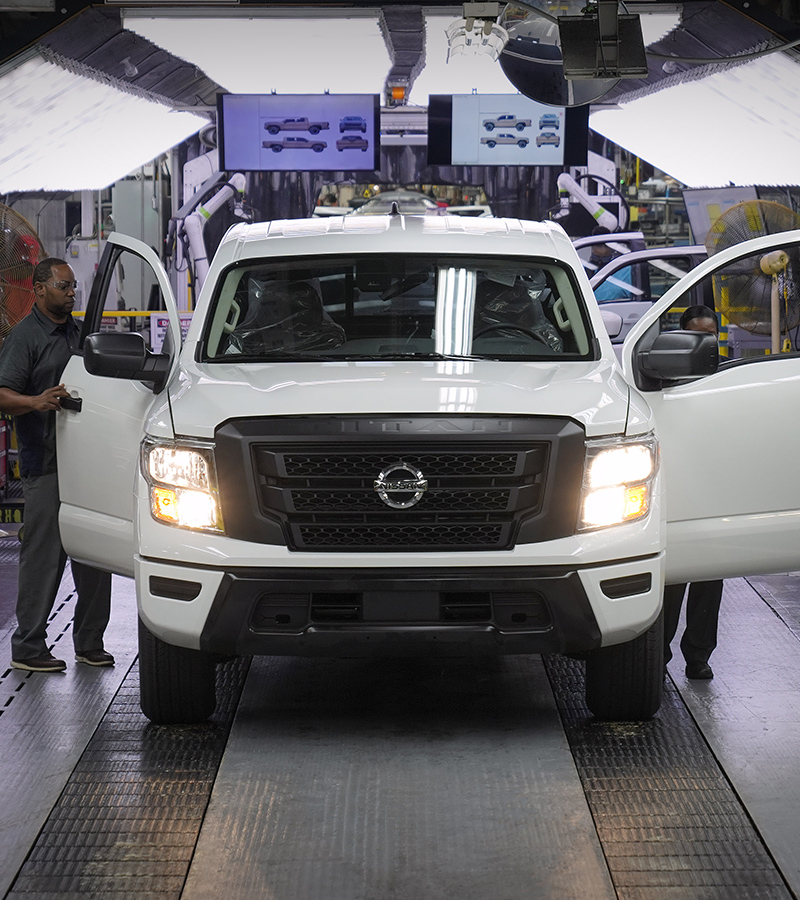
[[743, 297], [126, 297]]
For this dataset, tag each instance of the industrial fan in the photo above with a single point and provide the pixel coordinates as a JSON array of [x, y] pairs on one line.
[[20, 251], [759, 293]]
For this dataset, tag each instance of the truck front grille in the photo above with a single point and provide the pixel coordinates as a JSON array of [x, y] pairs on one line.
[[311, 482], [373, 536]]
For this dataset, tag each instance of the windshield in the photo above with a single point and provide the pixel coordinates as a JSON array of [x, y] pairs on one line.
[[396, 307]]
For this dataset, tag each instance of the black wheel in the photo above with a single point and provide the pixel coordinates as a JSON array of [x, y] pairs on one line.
[[313, 129], [318, 148], [522, 143], [276, 148], [176, 686], [520, 126], [273, 129], [624, 682], [490, 143]]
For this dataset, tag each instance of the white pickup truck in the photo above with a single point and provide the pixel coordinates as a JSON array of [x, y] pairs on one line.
[[508, 120], [410, 435]]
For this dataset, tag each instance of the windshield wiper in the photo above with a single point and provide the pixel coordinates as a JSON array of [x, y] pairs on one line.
[[423, 356], [278, 356]]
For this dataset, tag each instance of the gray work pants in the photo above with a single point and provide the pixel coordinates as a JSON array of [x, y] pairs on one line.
[[41, 565]]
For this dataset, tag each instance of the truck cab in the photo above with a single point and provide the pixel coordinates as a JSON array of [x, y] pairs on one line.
[[409, 435]]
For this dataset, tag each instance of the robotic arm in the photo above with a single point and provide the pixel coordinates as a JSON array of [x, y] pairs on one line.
[[191, 219], [569, 187]]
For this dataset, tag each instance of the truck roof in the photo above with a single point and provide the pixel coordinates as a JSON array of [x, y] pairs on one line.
[[407, 234]]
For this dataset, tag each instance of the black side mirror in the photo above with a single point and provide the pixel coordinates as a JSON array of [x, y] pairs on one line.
[[674, 355], [125, 355]]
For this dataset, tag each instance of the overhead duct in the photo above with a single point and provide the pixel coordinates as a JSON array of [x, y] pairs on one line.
[[403, 29]]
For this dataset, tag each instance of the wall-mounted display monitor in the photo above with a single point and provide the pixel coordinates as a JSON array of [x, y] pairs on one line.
[[505, 130], [298, 132]]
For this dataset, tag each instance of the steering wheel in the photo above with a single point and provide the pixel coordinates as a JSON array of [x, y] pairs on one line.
[[501, 325]]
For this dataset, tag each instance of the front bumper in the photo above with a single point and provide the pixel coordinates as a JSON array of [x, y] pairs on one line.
[[399, 611]]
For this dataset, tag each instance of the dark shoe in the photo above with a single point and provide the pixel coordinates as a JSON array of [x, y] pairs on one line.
[[94, 657], [45, 663], [699, 670]]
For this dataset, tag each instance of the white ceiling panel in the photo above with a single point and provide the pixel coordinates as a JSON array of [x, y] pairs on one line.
[[66, 132], [310, 55], [740, 126]]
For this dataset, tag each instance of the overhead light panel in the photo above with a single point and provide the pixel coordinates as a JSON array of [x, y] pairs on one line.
[[63, 131], [264, 49], [738, 118]]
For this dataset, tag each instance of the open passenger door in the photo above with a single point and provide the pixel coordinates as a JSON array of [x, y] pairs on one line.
[[99, 430], [730, 441]]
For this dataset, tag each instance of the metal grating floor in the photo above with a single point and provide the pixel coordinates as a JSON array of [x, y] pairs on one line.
[[354, 780], [126, 824], [671, 825]]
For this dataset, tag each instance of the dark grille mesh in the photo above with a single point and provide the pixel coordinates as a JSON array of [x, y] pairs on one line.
[[368, 501], [472, 500], [400, 537], [330, 465]]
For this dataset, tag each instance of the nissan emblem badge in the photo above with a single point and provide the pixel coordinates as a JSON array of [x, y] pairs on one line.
[[400, 485]]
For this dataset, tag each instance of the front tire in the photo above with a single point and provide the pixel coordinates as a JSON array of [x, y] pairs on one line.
[[624, 682], [177, 686]]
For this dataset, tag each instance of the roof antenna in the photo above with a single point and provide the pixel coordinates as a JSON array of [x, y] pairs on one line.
[[395, 210]]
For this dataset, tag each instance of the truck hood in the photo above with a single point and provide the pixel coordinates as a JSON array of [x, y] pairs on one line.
[[202, 396]]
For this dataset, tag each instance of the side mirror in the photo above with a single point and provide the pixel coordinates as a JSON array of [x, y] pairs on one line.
[[125, 355], [679, 354], [612, 321]]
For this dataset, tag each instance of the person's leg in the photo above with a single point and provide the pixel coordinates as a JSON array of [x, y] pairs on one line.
[[41, 564], [702, 616], [673, 599], [92, 607]]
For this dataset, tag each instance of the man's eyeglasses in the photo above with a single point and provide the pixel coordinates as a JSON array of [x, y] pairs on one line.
[[63, 286]]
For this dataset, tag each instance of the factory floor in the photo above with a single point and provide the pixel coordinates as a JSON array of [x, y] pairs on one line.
[[404, 780]]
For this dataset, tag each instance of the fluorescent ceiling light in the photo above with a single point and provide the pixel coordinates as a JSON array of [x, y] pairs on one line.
[[66, 132], [260, 54], [738, 126]]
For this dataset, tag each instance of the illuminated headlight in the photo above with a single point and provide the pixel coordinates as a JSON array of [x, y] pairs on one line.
[[183, 485], [618, 481]]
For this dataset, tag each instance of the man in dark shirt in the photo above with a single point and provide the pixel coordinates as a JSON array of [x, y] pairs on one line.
[[32, 359]]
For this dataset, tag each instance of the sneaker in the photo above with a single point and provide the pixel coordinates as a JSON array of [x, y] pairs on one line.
[[45, 663], [94, 657]]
